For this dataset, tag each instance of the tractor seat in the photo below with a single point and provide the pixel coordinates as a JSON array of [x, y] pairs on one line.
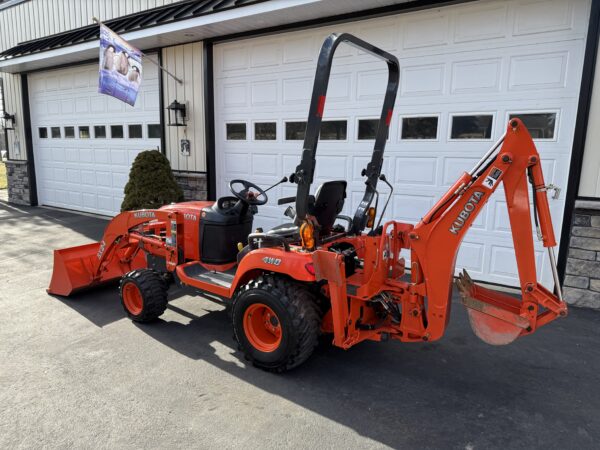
[[324, 206]]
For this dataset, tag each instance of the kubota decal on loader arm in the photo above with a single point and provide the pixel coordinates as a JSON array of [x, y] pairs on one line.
[[289, 284]]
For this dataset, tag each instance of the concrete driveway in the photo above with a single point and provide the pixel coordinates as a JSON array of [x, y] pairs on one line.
[[77, 373]]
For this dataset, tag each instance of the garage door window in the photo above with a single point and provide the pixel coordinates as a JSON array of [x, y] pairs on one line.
[[425, 127], [476, 126], [334, 130], [116, 131], [236, 131], [43, 132], [367, 129], [70, 132], [154, 131], [294, 131], [55, 132], [84, 132], [540, 125], [99, 131], [135, 131], [265, 131]]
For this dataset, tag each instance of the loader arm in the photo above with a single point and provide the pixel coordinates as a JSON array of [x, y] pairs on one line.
[[118, 251], [496, 317]]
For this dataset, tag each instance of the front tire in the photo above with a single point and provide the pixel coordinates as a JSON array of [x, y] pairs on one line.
[[276, 323], [143, 295]]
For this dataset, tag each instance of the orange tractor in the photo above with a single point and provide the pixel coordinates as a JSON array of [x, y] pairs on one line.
[[324, 273]]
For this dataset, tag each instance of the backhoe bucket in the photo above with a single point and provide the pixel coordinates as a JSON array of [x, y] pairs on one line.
[[495, 317], [77, 267]]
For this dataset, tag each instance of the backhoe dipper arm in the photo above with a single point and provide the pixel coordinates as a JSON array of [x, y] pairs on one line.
[[305, 170], [436, 239]]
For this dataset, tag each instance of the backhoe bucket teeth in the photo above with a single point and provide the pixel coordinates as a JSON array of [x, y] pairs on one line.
[[77, 267], [495, 317]]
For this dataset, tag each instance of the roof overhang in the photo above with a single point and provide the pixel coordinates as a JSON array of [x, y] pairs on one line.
[[252, 17]]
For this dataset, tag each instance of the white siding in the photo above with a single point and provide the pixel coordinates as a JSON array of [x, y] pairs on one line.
[[38, 18], [185, 62], [589, 185]]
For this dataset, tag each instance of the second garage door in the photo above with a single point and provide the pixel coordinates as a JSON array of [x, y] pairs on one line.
[[84, 142], [464, 71]]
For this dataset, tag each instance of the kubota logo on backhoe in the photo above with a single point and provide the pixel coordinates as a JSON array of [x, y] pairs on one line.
[[466, 212]]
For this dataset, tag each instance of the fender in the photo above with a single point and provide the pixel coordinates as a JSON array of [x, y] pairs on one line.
[[277, 260]]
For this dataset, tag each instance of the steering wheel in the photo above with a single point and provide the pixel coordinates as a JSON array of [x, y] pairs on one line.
[[248, 196]]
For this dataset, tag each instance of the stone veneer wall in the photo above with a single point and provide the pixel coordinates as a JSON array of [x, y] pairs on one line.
[[193, 184], [17, 175], [582, 279]]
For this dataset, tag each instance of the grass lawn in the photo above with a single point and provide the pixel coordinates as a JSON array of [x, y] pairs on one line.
[[3, 184]]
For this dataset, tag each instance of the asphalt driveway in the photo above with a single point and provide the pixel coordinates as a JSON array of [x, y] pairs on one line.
[[77, 373]]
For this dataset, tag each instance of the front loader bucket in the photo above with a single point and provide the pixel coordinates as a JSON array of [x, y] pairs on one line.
[[74, 268], [77, 267], [495, 317]]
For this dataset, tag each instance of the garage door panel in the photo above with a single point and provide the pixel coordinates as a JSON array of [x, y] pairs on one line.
[[86, 174], [495, 58]]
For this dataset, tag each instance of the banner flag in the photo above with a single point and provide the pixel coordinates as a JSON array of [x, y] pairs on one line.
[[120, 67]]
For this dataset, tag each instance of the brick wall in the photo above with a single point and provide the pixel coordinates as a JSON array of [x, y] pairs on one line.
[[17, 175], [582, 279], [193, 185]]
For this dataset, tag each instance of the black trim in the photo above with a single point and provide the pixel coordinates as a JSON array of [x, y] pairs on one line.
[[33, 198], [141, 20], [383, 11], [3, 105], [581, 126], [588, 199], [161, 106], [198, 172], [209, 120]]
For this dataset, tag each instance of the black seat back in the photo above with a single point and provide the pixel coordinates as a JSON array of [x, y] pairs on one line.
[[328, 203]]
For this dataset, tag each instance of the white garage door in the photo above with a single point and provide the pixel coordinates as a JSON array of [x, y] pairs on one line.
[[84, 142], [464, 70]]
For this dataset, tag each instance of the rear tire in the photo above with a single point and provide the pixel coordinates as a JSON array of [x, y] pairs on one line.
[[276, 323], [143, 295]]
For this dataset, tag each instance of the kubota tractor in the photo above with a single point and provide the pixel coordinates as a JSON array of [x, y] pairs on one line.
[[323, 273]]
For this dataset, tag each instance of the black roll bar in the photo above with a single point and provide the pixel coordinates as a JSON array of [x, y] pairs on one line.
[[305, 170]]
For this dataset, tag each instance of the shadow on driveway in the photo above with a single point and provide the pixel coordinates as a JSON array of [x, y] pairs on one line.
[[541, 391]]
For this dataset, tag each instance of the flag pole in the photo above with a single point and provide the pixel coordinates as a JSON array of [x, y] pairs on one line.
[[179, 80]]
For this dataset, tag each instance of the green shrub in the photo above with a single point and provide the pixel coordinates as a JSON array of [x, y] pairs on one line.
[[151, 183]]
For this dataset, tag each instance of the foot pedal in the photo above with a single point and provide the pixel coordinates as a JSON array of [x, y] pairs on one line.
[[495, 317]]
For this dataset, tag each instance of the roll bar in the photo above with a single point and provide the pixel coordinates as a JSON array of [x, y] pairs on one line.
[[304, 173]]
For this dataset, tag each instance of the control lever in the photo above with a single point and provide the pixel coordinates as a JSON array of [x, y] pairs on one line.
[[283, 180], [384, 179]]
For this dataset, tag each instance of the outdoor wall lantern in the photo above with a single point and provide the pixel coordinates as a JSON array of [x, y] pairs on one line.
[[177, 114], [8, 121]]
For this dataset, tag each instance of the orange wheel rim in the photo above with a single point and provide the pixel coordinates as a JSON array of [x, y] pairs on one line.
[[132, 298], [262, 327]]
